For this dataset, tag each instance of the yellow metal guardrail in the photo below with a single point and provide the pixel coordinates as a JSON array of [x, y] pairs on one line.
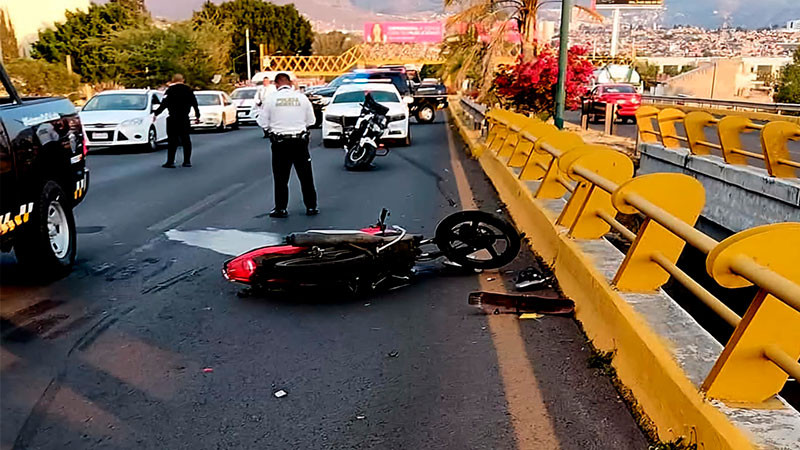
[[765, 346], [774, 135]]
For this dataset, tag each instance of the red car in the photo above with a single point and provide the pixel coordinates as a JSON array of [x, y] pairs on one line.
[[623, 95]]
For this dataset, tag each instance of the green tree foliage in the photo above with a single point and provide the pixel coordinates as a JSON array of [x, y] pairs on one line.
[[280, 28], [39, 78], [8, 40], [788, 88], [334, 43], [152, 55], [82, 36], [648, 72]]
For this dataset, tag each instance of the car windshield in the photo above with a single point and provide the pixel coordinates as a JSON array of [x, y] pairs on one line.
[[358, 97], [243, 94], [208, 99], [619, 90], [117, 102]]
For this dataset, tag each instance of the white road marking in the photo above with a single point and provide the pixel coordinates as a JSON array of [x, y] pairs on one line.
[[226, 242], [185, 214]]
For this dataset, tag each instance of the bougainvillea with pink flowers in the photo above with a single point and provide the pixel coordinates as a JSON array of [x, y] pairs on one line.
[[530, 86]]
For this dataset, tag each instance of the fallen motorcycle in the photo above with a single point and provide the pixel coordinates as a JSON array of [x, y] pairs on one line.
[[363, 260]]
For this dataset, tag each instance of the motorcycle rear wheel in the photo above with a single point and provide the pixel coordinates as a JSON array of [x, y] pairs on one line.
[[477, 240]]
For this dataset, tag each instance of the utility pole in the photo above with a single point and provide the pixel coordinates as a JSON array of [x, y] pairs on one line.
[[247, 50], [561, 95]]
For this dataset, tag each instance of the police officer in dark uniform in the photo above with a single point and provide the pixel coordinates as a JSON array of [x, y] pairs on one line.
[[178, 99], [287, 114]]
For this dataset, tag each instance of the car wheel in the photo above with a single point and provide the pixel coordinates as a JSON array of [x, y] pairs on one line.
[[152, 139], [235, 125], [47, 243], [426, 114]]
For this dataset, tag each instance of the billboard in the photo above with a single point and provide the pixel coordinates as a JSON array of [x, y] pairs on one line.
[[603, 4], [403, 32]]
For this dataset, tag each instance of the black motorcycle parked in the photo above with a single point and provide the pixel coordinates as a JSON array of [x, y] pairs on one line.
[[361, 140]]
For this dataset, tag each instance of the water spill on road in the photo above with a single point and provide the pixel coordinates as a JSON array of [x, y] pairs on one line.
[[226, 242]]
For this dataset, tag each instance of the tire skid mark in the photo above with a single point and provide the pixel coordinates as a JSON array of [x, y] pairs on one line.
[[38, 413]]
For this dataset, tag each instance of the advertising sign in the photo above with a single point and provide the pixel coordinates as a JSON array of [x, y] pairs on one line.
[[403, 32], [610, 4]]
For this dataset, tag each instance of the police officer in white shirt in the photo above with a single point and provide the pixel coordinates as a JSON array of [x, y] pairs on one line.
[[287, 114]]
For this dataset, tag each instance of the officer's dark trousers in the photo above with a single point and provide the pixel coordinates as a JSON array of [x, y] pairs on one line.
[[285, 154], [178, 129]]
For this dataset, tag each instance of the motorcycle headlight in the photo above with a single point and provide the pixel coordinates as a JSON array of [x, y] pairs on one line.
[[133, 122]]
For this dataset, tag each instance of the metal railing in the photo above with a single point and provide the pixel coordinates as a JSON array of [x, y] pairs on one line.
[[775, 108], [658, 125], [599, 184]]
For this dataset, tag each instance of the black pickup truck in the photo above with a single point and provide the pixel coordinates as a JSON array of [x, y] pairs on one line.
[[43, 176]]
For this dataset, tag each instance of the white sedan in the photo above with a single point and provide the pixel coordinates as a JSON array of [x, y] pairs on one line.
[[216, 111], [345, 108], [124, 117], [245, 100]]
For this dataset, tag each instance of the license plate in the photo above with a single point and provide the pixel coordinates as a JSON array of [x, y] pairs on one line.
[[99, 136]]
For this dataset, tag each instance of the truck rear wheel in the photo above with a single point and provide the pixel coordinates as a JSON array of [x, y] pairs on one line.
[[426, 114], [48, 241]]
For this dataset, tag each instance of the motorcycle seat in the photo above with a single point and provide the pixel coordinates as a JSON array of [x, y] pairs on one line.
[[335, 237]]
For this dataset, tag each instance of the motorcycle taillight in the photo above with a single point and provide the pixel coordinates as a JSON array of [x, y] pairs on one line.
[[240, 269]]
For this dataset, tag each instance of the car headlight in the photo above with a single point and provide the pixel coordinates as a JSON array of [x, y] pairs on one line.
[[396, 117], [212, 115], [333, 118], [133, 122]]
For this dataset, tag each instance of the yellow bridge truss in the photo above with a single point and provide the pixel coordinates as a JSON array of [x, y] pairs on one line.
[[364, 55]]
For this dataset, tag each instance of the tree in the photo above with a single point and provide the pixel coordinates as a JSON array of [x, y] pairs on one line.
[[280, 28], [483, 11], [648, 72], [151, 55], [8, 39], [530, 86], [39, 78], [82, 37], [788, 87], [334, 43]]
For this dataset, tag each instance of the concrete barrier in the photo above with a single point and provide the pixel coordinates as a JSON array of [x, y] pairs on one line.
[[661, 353]]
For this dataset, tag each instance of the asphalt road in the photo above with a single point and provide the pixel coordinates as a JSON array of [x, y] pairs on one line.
[[146, 346], [750, 141]]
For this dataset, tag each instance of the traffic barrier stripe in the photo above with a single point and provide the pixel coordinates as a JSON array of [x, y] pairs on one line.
[[764, 349]]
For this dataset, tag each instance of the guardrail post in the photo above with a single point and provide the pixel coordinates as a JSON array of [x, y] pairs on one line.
[[522, 153], [730, 130], [666, 124], [774, 137], [644, 122], [552, 183], [582, 212], [695, 124], [744, 372], [676, 195], [538, 160]]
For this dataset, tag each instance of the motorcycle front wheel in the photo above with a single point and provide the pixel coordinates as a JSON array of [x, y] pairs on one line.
[[359, 157], [477, 240]]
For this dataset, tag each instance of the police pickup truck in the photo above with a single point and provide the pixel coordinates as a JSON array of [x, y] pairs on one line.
[[43, 176]]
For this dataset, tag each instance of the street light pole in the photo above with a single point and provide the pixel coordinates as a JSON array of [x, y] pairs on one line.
[[247, 51], [561, 96]]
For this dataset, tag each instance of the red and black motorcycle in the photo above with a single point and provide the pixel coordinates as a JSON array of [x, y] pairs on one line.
[[365, 259]]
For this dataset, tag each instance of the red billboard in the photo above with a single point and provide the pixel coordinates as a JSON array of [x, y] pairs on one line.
[[403, 32]]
